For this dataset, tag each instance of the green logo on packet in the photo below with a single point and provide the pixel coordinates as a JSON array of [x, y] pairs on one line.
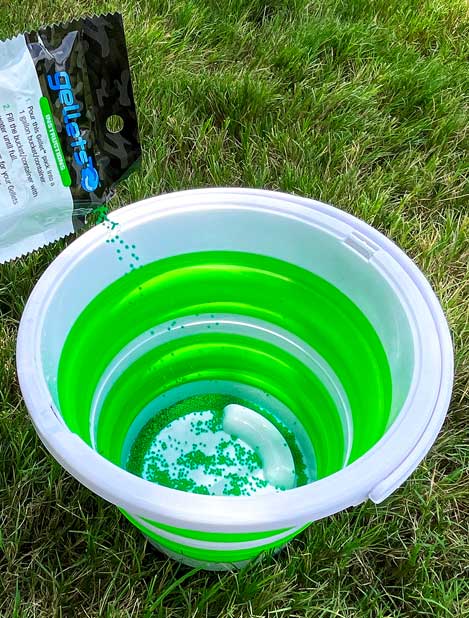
[[55, 142]]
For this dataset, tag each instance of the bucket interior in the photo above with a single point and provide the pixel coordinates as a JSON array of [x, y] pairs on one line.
[[153, 334]]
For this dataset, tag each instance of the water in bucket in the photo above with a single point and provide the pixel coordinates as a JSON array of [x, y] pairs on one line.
[[218, 444], [216, 378]]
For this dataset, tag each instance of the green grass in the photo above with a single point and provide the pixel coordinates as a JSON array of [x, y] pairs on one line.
[[360, 103]]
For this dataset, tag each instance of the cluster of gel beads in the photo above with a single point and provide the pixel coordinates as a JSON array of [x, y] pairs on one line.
[[185, 447]]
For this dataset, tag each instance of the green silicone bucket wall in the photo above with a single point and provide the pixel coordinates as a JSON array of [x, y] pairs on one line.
[[235, 283]]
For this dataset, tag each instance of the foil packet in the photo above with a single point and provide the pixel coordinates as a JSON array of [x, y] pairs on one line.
[[68, 129]]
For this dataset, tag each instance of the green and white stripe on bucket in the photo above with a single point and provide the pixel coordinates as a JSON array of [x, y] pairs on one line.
[[213, 550], [306, 314]]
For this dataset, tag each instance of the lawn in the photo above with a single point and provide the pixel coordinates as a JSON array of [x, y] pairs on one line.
[[359, 103]]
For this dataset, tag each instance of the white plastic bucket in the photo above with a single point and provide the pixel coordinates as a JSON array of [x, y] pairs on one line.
[[381, 281]]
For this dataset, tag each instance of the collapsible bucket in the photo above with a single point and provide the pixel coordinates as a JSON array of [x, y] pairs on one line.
[[319, 342]]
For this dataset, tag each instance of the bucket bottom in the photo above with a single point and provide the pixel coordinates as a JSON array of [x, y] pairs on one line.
[[202, 564], [211, 555]]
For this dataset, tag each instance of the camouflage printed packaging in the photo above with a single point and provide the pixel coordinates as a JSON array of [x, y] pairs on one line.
[[68, 129]]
